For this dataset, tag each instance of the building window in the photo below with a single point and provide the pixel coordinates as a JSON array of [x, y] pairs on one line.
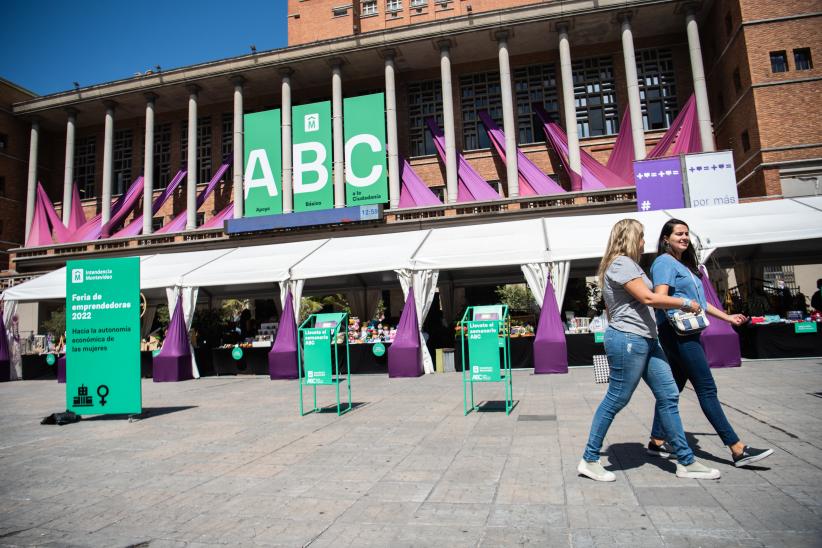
[[802, 59], [4, 141], [720, 100], [339, 11], [162, 155], [369, 7], [203, 147], [657, 87], [393, 5], [737, 81], [121, 156], [534, 84], [2, 186], [424, 100], [595, 97], [1, 226], [779, 61], [729, 23], [156, 223], [85, 160], [479, 92], [419, 3], [746, 141], [227, 137], [200, 218]]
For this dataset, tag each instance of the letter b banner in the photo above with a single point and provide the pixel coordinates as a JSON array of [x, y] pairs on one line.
[[311, 131], [366, 180]]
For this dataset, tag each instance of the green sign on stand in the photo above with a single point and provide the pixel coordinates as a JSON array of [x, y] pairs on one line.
[[378, 349], [483, 347], [317, 352], [237, 353], [103, 336], [599, 336], [366, 177], [805, 327], [51, 359], [262, 144], [311, 136]]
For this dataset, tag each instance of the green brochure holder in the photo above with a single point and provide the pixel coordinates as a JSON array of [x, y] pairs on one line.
[[318, 356], [487, 335]]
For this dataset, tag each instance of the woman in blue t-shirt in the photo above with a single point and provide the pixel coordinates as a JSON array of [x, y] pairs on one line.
[[675, 273]]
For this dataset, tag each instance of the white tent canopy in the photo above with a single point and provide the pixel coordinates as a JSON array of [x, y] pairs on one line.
[[581, 237]]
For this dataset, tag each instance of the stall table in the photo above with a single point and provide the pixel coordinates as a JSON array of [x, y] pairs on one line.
[[778, 340], [581, 350], [255, 360]]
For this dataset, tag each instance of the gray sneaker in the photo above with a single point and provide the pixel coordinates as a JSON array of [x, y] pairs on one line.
[[595, 471], [697, 470]]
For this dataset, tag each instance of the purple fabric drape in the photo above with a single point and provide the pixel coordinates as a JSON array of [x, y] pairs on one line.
[[404, 352], [414, 192], [550, 348], [179, 222], [470, 186], [621, 161], [217, 221], [92, 228], [720, 341], [282, 359], [77, 217], [532, 181], [61, 369], [39, 233], [661, 148], [173, 363], [5, 354], [58, 231], [135, 227], [688, 139], [132, 197]]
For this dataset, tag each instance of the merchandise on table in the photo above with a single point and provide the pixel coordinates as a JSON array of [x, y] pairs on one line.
[[375, 331]]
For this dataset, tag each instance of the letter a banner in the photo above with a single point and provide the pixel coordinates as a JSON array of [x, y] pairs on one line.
[[262, 144], [311, 136], [103, 336], [366, 180]]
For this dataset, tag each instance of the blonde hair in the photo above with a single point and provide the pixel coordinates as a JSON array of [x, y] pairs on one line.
[[625, 239]]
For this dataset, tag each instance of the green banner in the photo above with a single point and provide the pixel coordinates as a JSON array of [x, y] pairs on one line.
[[366, 174], [483, 350], [805, 327], [103, 336], [599, 336], [311, 146], [317, 355], [262, 143]]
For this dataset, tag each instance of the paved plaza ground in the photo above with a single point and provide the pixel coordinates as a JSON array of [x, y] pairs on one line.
[[228, 461]]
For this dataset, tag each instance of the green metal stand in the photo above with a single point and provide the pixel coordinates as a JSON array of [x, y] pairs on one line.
[[314, 365], [488, 330]]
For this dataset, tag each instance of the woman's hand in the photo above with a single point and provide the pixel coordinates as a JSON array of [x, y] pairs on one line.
[[737, 319], [694, 307]]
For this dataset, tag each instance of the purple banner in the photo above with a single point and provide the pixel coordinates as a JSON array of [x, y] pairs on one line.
[[658, 184]]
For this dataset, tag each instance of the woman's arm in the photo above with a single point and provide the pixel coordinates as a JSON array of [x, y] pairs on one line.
[[733, 319], [657, 298]]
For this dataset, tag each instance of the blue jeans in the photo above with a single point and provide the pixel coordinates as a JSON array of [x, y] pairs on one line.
[[632, 357], [688, 363]]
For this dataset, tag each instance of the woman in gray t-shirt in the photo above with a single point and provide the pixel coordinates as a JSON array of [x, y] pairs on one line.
[[634, 352]]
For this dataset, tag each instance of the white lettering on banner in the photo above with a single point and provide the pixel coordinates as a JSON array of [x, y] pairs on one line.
[[316, 166], [267, 180], [374, 144]]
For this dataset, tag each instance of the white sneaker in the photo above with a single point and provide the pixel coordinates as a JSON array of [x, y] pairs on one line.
[[595, 471], [697, 470]]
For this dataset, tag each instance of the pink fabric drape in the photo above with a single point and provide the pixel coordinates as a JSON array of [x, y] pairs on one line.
[[686, 120], [413, 190], [92, 228], [132, 197], [621, 161], [58, 231], [217, 221], [77, 216], [532, 181], [471, 186], [179, 222], [135, 227], [39, 233]]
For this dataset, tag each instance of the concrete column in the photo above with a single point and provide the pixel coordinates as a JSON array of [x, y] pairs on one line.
[[191, 182], [568, 101], [337, 124], [508, 119], [148, 165], [68, 173], [108, 153], [237, 144], [31, 188], [391, 129], [448, 122], [700, 90], [637, 131], [288, 173]]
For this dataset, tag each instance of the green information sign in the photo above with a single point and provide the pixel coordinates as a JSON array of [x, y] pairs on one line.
[[599, 336], [103, 336], [51, 359], [483, 350], [378, 349], [805, 327], [366, 177], [312, 151], [237, 353], [262, 145], [317, 355]]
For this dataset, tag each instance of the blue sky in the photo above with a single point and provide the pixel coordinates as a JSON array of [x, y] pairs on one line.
[[47, 45]]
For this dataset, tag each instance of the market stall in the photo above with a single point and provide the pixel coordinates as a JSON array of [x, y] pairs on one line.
[[781, 340]]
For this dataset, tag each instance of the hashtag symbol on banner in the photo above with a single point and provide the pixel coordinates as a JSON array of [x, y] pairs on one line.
[[646, 205]]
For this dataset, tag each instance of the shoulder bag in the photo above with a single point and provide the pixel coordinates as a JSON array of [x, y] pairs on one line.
[[688, 323]]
